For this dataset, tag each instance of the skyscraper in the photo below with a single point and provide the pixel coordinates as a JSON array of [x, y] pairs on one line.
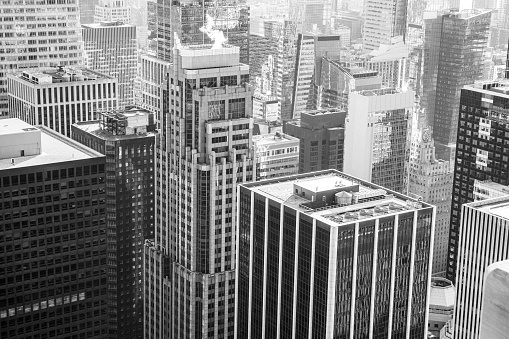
[[87, 11], [322, 136], [37, 34], [311, 15], [457, 43], [185, 18], [52, 235], [376, 136], [383, 20], [204, 151], [326, 255], [482, 152], [483, 241], [431, 179], [311, 48], [127, 139], [111, 48], [59, 97]]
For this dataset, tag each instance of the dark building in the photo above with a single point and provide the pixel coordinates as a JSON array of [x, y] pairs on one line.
[[482, 151], [127, 139], [186, 18], [322, 137], [454, 47], [52, 236], [326, 255]]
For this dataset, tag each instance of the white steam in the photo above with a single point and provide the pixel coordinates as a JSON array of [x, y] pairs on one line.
[[215, 35]]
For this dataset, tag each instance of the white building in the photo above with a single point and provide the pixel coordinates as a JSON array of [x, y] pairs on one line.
[[59, 97], [441, 304], [152, 71], [383, 20], [265, 108], [495, 302], [376, 130], [276, 155], [483, 240], [37, 34]]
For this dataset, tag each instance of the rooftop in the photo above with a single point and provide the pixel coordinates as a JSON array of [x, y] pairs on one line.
[[498, 207], [14, 126], [61, 74], [55, 148], [105, 24], [335, 198], [273, 138], [442, 294]]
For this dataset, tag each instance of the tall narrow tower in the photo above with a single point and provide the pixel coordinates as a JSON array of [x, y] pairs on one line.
[[202, 154]]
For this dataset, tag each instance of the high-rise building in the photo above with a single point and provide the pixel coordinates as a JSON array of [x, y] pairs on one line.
[[383, 20], [322, 137], [352, 20], [376, 136], [285, 69], [495, 299], [455, 47], [87, 11], [204, 151], [339, 78], [276, 155], [326, 255], [59, 97], [111, 48], [311, 15], [262, 50], [52, 235], [482, 241], [37, 34], [152, 73], [311, 48], [185, 18], [431, 179], [127, 139], [482, 152]]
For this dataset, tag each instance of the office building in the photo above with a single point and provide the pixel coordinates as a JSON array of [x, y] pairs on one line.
[[311, 15], [127, 139], [52, 235], [326, 255], [204, 151], [495, 299], [285, 69], [261, 68], [352, 20], [482, 242], [441, 305], [111, 48], [482, 151], [37, 34], [376, 132], [383, 20], [152, 73], [87, 11], [265, 108], [276, 155], [311, 48], [458, 38], [488, 189], [431, 179], [59, 97], [339, 78], [186, 18], [322, 137]]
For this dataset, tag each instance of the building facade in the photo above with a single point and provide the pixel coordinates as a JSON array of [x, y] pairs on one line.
[[431, 179], [311, 14], [38, 34], [494, 300], [327, 255], [185, 18], [482, 152], [53, 258], [111, 48], [376, 136], [151, 74], [322, 139], [276, 155], [441, 305], [59, 97], [204, 151], [482, 242]]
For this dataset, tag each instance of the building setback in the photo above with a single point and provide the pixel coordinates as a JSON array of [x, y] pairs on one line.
[[128, 140], [111, 48], [43, 33], [322, 137], [59, 97], [482, 151], [482, 242], [204, 151], [52, 235], [325, 255]]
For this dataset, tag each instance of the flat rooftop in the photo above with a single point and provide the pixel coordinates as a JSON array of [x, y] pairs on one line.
[[498, 207], [94, 128], [15, 126], [60, 75], [311, 194], [55, 148], [274, 139]]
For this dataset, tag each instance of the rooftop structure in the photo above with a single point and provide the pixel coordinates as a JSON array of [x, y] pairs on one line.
[[60, 74], [441, 304]]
